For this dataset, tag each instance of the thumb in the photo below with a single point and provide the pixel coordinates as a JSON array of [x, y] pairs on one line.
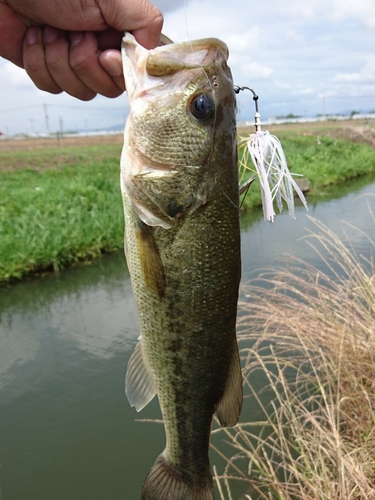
[[140, 17]]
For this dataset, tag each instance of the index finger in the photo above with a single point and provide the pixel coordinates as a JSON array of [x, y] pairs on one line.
[[12, 32]]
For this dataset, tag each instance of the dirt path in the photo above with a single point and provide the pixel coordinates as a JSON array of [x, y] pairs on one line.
[[355, 130], [27, 143]]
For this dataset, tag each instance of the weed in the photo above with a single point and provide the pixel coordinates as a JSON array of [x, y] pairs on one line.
[[312, 336]]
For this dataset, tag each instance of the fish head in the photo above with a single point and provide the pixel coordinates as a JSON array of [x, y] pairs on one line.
[[182, 102]]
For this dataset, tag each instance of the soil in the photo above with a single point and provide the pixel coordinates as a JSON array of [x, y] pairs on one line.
[[355, 130], [27, 143]]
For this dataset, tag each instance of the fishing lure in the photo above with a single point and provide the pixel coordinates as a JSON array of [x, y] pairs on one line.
[[267, 156]]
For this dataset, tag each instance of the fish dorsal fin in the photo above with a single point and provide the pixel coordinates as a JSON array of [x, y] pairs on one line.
[[229, 408], [139, 383]]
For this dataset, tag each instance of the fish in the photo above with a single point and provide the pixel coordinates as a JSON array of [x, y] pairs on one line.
[[179, 183]]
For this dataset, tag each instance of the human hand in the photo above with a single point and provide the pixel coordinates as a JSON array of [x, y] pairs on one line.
[[74, 46]]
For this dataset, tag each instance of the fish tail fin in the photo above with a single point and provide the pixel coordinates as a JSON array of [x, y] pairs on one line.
[[164, 482]]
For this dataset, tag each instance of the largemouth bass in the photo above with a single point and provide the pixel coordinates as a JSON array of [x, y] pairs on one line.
[[182, 242]]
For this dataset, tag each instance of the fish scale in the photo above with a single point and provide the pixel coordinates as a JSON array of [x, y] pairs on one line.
[[182, 242]]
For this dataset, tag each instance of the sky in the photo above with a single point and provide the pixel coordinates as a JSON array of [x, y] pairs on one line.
[[302, 58]]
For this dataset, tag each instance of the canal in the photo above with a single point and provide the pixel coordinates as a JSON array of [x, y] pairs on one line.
[[67, 431]]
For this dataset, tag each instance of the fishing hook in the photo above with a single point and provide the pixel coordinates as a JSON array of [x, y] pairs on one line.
[[238, 89]]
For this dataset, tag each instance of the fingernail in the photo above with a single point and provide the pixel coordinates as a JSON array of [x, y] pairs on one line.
[[75, 37], [50, 34], [32, 35], [112, 64]]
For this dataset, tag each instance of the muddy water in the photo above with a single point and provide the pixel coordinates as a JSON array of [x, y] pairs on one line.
[[67, 431]]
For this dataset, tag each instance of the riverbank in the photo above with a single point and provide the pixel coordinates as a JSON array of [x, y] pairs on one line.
[[60, 201], [306, 332], [58, 206], [325, 153]]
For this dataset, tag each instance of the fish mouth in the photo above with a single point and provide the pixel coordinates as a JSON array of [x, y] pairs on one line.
[[168, 63]]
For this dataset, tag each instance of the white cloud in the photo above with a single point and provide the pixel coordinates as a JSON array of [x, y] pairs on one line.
[[13, 75], [292, 53], [294, 37], [347, 77], [304, 91], [244, 42], [362, 11], [365, 75], [254, 69]]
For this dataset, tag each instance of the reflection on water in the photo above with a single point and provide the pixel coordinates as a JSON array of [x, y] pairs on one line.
[[66, 428], [263, 244]]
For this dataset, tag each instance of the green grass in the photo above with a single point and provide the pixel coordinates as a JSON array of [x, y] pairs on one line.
[[59, 208], [62, 205], [323, 160]]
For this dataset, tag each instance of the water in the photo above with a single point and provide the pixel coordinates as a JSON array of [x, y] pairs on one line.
[[67, 431]]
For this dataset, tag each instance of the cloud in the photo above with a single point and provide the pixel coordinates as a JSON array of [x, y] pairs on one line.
[[304, 91], [365, 75], [253, 69], [292, 53], [12, 74], [362, 11], [347, 77], [168, 5]]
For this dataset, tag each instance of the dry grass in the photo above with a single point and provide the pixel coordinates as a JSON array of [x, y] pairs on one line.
[[312, 336]]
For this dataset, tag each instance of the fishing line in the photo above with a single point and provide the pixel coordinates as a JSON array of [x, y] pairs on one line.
[[204, 72]]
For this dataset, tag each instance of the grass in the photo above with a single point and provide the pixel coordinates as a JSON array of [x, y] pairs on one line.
[[63, 205], [325, 161], [57, 208], [311, 336]]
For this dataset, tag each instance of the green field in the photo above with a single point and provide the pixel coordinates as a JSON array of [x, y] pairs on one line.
[[60, 205], [323, 160]]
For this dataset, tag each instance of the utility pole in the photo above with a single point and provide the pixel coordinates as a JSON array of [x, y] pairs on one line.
[[46, 118]]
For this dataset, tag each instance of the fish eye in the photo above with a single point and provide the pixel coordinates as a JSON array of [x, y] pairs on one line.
[[201, 106]]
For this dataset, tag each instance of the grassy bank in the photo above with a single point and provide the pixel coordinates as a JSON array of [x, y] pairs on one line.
[[323, 160], [59, 205], [310, 336]]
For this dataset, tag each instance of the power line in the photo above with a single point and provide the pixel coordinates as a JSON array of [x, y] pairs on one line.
[[21, 108], [102, 108]]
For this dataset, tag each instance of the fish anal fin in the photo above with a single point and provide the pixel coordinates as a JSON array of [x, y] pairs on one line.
[[139, 383], [164, 482], [150, 260], [229, 407]]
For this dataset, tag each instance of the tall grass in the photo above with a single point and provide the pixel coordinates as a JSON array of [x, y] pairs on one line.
[[312, 336]]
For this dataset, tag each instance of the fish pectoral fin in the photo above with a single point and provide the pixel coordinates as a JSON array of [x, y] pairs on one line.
[[150, 260], [164, 481], [229, 407], [139, 383]]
